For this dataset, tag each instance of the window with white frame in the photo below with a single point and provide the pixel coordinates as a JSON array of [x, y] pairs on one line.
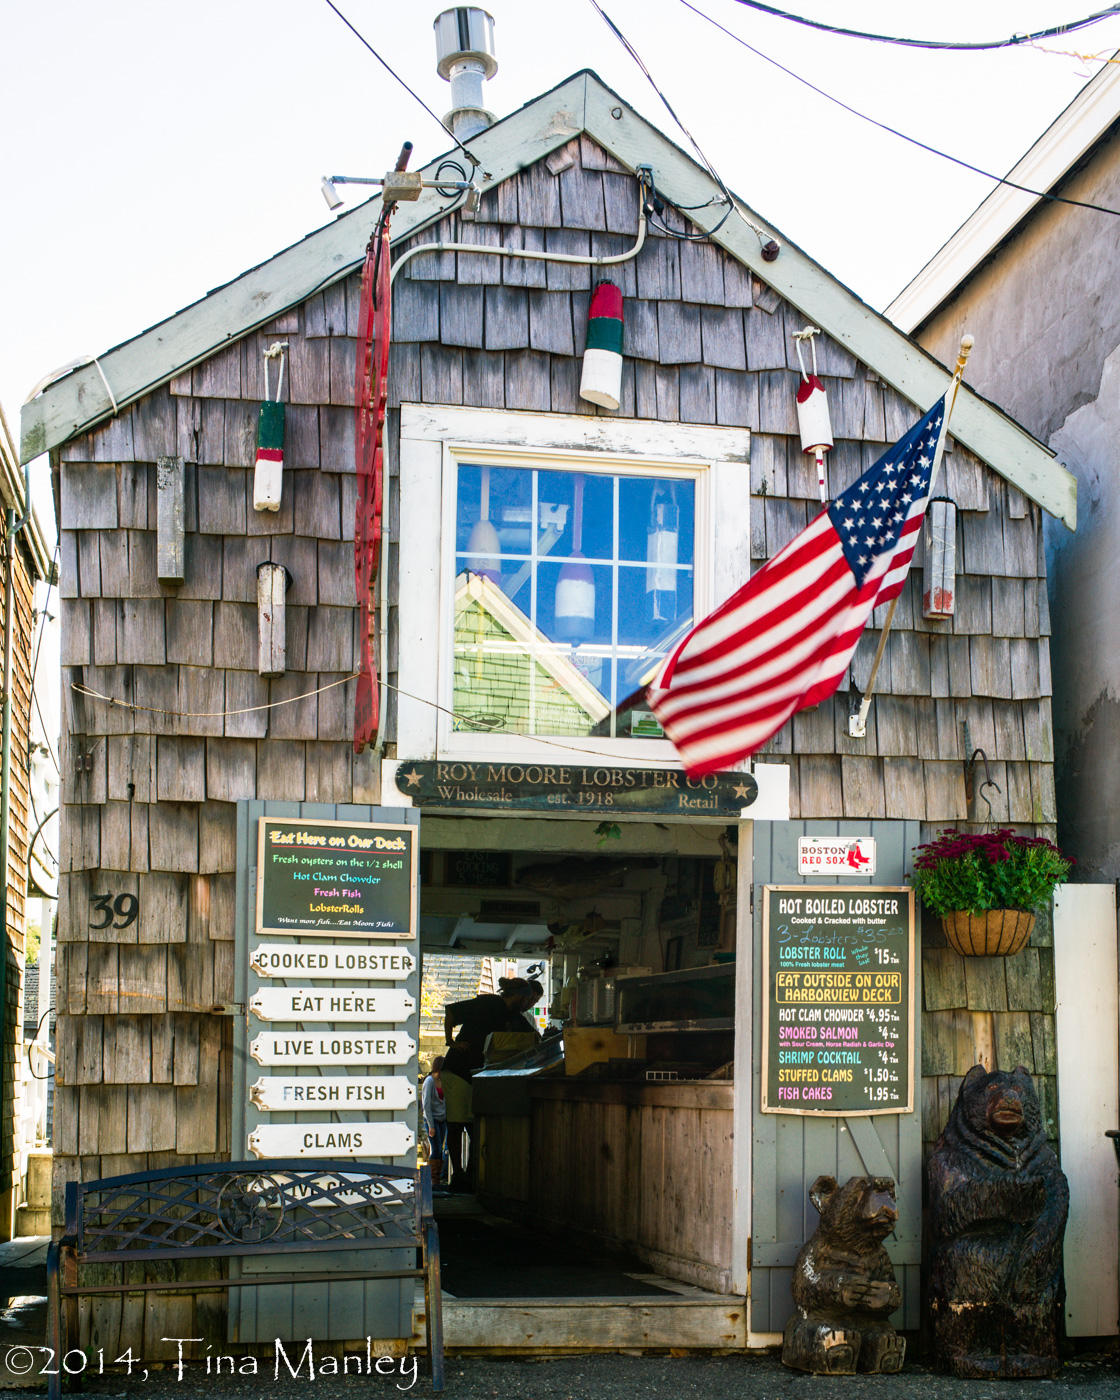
[[571, 582], [573, 554]]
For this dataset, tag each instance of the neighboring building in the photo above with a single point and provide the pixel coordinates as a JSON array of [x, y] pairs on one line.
[[24, 560], [175, 726], [1035, 281]]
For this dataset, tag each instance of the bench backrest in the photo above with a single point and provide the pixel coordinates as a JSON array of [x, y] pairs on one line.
[[274, 1206]]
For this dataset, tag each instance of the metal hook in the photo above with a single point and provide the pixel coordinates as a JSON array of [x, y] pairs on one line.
[[970, 773], [987, 783]]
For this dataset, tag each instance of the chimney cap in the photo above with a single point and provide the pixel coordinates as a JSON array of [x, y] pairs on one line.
[[465, 32]]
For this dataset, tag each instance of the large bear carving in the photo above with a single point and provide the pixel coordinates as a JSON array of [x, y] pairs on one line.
[[844, 1284], [998, 1203]]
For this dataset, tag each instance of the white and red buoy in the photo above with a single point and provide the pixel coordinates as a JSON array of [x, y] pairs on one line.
[[812, 409], [601, 381]]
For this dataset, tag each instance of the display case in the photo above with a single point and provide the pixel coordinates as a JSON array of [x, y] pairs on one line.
[[695, 999]]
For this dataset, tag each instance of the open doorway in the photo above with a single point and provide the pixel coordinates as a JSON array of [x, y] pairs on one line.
[[602, 1156]]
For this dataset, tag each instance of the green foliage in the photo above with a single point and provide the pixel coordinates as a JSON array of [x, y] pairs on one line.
[[976, 871]]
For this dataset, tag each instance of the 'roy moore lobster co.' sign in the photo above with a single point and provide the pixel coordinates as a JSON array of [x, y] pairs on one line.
[[574, 788]]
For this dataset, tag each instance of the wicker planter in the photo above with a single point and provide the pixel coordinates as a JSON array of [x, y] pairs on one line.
[[996, 931]]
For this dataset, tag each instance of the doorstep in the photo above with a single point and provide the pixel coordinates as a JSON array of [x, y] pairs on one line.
[[685, 1320]]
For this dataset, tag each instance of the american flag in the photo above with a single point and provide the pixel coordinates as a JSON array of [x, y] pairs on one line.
[[784, 640]]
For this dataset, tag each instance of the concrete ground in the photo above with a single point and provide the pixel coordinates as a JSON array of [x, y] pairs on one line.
[[1087, 1376]]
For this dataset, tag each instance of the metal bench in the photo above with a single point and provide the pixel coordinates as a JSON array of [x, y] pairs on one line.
[[233, 1210]]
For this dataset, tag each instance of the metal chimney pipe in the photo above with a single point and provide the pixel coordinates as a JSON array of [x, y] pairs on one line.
[[465, 58]]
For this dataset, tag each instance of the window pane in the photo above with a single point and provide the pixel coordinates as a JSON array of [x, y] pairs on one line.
[[656, 519], [561, 612]]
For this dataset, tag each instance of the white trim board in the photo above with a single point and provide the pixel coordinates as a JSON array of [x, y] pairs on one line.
[[1087, 1024], [1056, 151], [582, 104]]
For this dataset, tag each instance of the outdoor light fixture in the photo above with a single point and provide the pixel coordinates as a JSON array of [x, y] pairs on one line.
[[398, 185]]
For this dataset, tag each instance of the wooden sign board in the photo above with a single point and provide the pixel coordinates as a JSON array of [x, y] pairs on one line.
[[566, 788], [312, 1093], [330, 1140], [331, 960], [383, 1047], [339, 879], [334, 1004], [838, 1008]]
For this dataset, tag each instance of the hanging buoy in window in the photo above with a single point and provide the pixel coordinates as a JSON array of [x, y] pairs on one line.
[[940, 571], [661, 553], [484, 548], [269, 473], [812, 409], [601, 381], [575, 588]]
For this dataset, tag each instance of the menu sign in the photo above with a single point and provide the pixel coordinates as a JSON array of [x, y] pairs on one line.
[[340, 879], [838, 1009]]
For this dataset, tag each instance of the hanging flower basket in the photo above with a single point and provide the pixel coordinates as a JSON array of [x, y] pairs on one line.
[[994, 932], [986, 886]]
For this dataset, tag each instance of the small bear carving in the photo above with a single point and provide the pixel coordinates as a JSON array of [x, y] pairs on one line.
[[844, 1284], [998, 1203]]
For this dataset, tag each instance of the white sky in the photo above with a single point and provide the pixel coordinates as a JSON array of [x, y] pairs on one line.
[[152, 151]]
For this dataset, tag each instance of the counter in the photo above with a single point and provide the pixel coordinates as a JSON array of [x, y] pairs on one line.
[[644, 1166]]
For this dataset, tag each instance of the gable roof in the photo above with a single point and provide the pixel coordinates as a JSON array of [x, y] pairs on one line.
[[582, 104], [1087, 118]]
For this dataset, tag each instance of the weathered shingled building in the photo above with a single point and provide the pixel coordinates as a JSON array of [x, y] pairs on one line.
[[170, 724]]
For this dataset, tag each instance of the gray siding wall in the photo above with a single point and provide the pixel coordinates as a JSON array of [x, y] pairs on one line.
[[1046, 318]]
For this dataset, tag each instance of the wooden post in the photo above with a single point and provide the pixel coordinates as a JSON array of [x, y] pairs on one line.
[[272, 586], [170, 519]]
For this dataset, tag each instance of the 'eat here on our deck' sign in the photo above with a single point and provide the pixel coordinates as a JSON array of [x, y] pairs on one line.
[[334, 878]]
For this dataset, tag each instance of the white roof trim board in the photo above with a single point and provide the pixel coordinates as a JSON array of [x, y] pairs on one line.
[[583, 103], [1056, 151]]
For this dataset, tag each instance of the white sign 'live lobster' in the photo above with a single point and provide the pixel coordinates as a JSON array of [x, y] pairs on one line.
[[331, 1004], [331, 960], [332, 1048], [330, 1140], [313, 1093]]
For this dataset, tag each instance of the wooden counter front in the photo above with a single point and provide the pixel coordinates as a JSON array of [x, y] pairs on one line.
[[644, 1166]]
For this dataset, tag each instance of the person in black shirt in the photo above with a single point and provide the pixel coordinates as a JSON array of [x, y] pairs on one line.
[[476, 1020]]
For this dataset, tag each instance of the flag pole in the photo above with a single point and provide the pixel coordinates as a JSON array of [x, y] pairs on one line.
[[857, 724]]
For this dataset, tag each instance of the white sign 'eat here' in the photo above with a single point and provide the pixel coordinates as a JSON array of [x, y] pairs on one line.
[[331, 1004]]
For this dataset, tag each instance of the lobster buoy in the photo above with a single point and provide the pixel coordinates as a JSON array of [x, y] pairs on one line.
[[812, 410], [601, 381]]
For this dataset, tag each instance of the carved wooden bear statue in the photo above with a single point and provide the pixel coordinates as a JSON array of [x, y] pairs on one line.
[[843, 1283], [998, 1203]]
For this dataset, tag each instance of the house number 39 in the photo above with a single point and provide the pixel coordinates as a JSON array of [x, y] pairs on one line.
[[119, 910]]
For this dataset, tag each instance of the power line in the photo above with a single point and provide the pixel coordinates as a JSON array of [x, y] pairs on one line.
[[1012, 42], [761, 234], [393, 74], [893, 131]]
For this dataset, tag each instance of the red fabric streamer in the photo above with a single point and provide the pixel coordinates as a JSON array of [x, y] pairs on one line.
[[370, 390]]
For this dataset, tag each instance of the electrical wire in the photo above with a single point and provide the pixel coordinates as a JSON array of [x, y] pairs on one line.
[[362, 39], [221, 714], [893, 131], [1012, 42], [92, 694], [761, 234]]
